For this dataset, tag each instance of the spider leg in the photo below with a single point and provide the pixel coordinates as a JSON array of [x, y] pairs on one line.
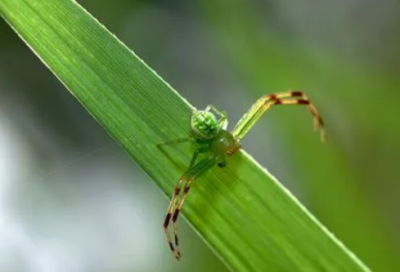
[[265, 102], [176, 141], [172, 205], [194, 158], [173, 209], [223, 121]]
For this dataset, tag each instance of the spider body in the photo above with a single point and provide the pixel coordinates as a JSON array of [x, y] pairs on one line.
[[216, 144], [211, 136]]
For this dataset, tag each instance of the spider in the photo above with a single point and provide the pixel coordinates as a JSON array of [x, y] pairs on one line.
[[213, 140]]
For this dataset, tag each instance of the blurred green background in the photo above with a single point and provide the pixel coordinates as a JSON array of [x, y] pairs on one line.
[[71, 200]]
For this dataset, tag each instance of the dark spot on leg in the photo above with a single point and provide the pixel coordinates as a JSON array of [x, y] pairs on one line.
[[175, 216], [297, 93], [186, 189], [272, 96], [176, 241], [321, 123], [277, 102], [171, 246], [166, 221], [303, 102]]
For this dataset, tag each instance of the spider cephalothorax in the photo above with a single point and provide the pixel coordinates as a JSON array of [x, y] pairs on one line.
[[211, 136], [213, 140], [204, 125]]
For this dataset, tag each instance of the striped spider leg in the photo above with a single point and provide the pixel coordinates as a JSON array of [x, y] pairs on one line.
[[291, 97], [175, 206]]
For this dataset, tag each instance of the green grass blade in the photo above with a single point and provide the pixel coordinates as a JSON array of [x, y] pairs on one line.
[[241, 211]]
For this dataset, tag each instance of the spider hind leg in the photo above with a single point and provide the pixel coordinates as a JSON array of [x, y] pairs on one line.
[[175, 207]]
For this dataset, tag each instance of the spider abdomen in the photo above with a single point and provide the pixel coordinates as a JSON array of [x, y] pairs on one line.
[[225, 143]]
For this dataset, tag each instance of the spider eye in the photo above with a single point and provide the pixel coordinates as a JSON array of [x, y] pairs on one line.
[[204, 124]]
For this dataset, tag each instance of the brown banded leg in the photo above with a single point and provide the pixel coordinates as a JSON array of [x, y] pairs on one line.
[[173, 210], [265, 102], [317, 120], [176, 214], [170, 210], [318, 123], [172, 205]]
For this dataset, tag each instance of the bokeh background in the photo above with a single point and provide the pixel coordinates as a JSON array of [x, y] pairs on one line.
[[72, 200]]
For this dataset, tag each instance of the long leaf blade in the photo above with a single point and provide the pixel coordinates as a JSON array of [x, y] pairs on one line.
[[242, 212]]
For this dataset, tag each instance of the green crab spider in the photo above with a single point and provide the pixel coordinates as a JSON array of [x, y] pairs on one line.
[[212, 139]]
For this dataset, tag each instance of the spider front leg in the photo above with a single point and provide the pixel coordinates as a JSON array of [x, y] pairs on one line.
[[265, 102], [223, 121], [176, 141], [173, 209]]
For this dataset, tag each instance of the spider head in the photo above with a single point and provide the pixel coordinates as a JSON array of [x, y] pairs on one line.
[[204, 125]]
